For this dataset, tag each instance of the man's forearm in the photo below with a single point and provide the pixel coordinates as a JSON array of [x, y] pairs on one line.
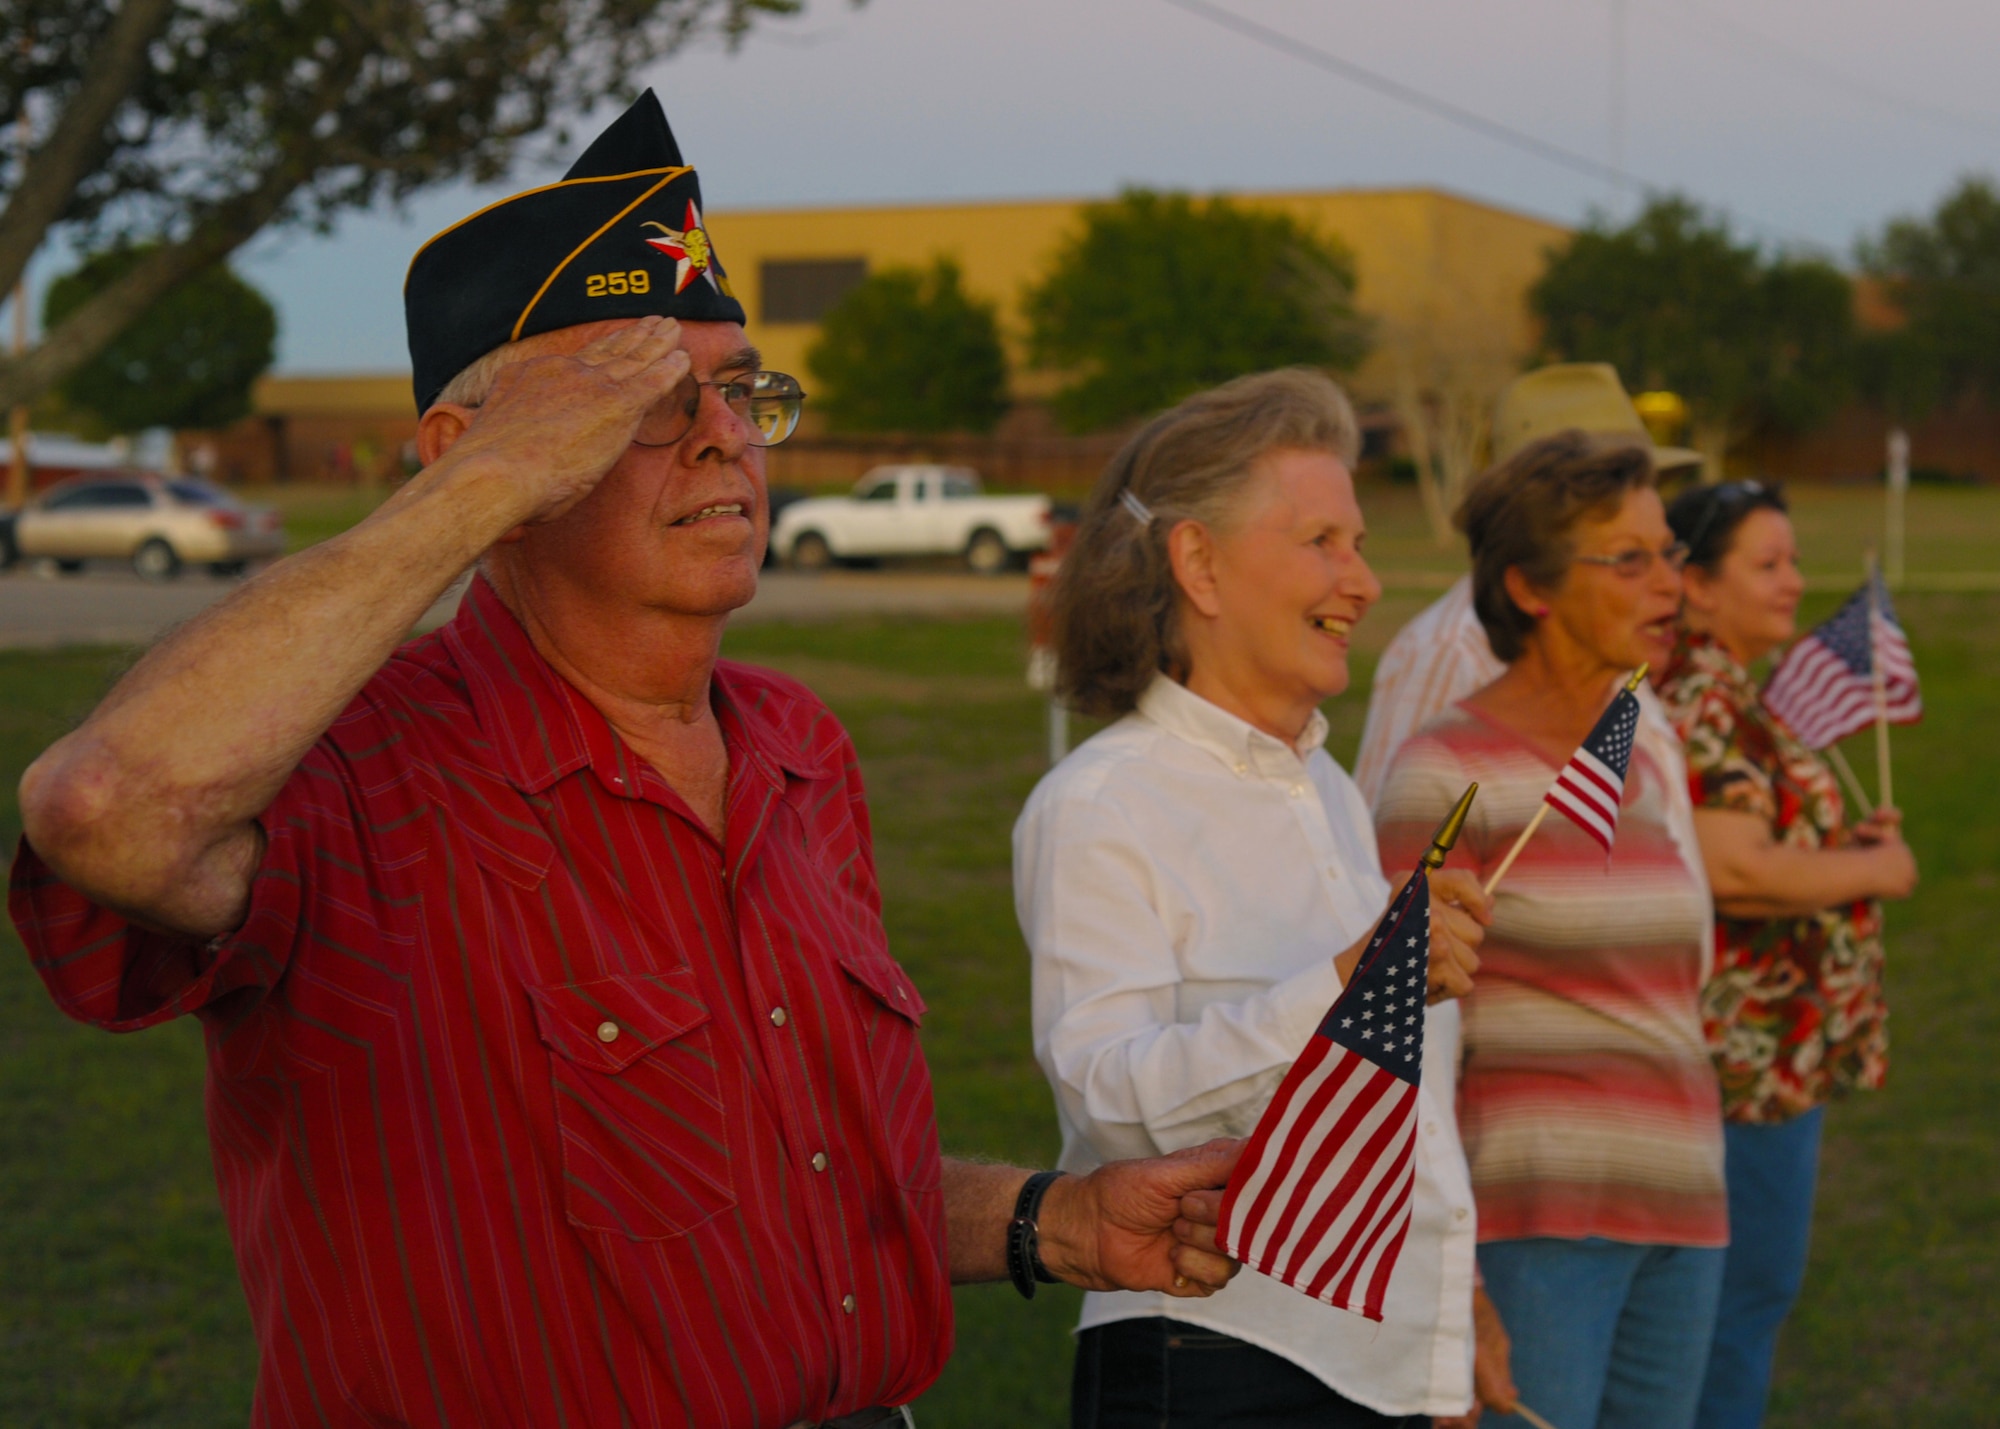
[[148, 806], [978, 1204], [1128, 1225]]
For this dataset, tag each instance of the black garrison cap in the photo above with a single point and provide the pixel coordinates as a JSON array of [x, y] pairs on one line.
[[621, 236]]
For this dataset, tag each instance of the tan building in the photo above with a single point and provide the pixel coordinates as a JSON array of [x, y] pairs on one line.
[[354, 427], [1440, 274], [1443, 277]]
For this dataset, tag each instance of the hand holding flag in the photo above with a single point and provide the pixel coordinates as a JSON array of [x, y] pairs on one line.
[[1321, 1198]]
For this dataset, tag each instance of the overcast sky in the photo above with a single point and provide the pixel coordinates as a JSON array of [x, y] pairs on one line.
[[1809, 120]]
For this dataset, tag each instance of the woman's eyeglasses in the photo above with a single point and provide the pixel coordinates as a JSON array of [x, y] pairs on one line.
[[1637, 564], [768, 403]]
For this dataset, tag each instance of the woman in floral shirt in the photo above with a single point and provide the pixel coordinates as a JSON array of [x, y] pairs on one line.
[[1794, 1008]]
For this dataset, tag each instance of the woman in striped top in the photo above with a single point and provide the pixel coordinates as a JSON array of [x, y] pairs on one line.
[[1588, 1103]]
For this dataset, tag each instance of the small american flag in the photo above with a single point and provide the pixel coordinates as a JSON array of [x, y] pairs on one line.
[[1321, 1199], [1824, 688], [1590, 786]]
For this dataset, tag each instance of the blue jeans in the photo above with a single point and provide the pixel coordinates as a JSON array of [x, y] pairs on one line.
[[1772, 1171], [1162, 1374], [1606, 1335]]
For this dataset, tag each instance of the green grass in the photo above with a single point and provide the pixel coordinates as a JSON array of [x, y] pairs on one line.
[[316, 510], [1949, 528], [120, 1303]]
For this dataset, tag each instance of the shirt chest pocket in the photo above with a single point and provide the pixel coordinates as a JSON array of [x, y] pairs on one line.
[[638, 1103], [890, 1013]]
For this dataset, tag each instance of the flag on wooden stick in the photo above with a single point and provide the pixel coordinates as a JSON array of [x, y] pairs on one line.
[[1589, 789], [1824, 688], [1592, 785], [1321, 1199]]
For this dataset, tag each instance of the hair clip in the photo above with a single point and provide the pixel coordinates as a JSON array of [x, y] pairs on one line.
[[1139, 509]]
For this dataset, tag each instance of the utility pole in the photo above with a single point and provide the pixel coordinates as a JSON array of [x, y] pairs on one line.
[[1892, 517], [1617, 134], [17, 420]]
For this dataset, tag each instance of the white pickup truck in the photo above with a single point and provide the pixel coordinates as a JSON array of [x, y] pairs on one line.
[[912, 511]]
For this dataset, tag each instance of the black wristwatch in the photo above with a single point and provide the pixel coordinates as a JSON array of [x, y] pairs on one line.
[[1024, 1250]]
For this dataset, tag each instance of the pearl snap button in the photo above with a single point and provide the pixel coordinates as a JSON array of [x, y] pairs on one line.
[[847, 1304], [607, 1032], [819, 1161], [778, 1018]]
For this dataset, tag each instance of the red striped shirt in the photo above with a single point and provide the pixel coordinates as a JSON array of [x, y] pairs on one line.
[[531, 1104], [1587, 1100]]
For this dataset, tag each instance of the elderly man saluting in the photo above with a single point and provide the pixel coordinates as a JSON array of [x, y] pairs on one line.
[[558, 1069]]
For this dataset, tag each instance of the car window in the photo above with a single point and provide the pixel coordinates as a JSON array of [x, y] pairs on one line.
[[956, 486], [921, 490], [881, 491], [197, 493], [71, 500], [100, 495]]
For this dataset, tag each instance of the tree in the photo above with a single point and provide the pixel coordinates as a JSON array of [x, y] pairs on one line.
[[187, 362], [1161, 295], [910, 350], [1672, 300], [1942, 275], [180, 128]]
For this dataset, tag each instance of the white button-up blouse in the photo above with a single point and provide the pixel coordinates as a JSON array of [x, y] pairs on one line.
[[1184, 882]]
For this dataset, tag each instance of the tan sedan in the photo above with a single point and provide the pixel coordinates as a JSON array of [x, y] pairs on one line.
[[159, 524]]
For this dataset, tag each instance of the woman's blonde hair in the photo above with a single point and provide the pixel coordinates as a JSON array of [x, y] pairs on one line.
[[1116, 605]]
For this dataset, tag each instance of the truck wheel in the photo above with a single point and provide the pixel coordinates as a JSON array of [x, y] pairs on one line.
[[810, 552], [156, 561], [986, 554]]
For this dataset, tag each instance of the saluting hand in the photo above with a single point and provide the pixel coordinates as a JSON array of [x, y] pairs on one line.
[[553, 425]]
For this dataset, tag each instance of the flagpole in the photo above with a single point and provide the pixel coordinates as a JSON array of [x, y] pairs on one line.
[[1846, 772], [1542, 812], [1882, 776], [1532, 1417], [1442, 843]]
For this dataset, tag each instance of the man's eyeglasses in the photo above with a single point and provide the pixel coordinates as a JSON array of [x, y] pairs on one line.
[[768, 403], [1637, 564]]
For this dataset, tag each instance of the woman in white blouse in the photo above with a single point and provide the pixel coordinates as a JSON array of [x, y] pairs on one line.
[[1196, 880]]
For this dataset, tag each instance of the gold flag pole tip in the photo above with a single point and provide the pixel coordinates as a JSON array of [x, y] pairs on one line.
[[1638, 679], [1447, 833]]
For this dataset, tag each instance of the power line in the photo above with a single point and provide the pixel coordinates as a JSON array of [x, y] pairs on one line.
[[1395, 89], [1818, 69], [1464, 118]]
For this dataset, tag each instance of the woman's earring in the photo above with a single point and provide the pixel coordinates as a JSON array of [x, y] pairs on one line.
[[1541, 612]]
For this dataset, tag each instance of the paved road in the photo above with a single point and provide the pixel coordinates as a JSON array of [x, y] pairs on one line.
[[114, 607]]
